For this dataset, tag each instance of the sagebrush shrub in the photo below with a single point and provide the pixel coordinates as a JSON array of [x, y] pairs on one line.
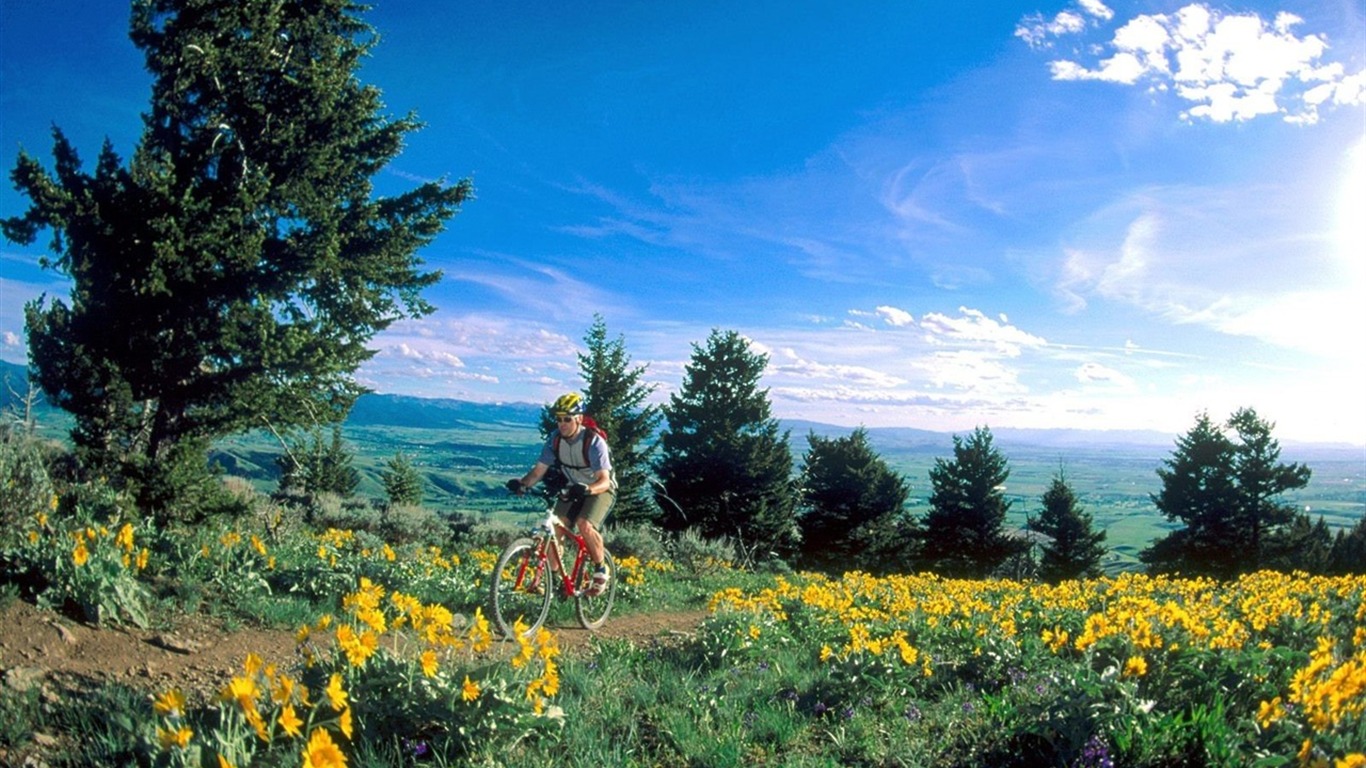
[[25, 487]]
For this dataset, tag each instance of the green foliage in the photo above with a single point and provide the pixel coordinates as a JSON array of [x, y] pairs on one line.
[[86, 557], [1225, 493], [1300, 545], [402, 482], [314, 467], [231, 273], [1349, 549], [616, 398], [1074, 549], [964, 531], [854, 504], [25, 487], [723, 458]]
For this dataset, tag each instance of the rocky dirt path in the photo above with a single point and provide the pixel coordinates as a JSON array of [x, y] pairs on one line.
[[199, 656]]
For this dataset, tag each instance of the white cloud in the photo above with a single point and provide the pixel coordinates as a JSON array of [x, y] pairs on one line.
[[1232, 67], [1092, 373], [972, 326], [787, 363], [1036, 31], [895, 317], [439, 357], [972, 371], [1097, 9]]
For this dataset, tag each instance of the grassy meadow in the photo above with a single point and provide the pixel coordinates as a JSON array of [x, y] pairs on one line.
[[397, 665]]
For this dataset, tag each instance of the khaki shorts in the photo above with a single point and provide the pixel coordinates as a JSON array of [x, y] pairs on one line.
[[593, 508]]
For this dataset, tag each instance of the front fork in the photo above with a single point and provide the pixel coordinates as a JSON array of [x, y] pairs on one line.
[[552, 548]]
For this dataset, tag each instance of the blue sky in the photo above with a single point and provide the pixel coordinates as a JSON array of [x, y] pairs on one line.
[[937, 215]]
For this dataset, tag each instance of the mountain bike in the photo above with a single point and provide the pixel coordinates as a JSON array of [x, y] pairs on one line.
[[533, 567]]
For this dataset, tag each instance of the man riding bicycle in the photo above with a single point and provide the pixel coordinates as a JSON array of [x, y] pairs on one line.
[[592, 488]]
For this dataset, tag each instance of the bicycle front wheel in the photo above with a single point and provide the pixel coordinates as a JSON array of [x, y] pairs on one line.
[[592, 610], [519, 589]]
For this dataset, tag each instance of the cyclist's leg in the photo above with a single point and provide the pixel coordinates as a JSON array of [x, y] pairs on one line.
[[590, 520]]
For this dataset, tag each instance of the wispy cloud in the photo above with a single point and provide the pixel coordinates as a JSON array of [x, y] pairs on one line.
[[1230, 66]]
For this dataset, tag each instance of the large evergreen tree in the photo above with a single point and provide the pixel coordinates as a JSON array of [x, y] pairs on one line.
[[231, 275], [964, 531], [1261, 478], [853, 503], [616, 395], [1075, 548], [723, 458], [1224, 492]]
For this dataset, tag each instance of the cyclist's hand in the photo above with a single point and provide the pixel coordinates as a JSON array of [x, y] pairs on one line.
[[516, 486], [575, 491]]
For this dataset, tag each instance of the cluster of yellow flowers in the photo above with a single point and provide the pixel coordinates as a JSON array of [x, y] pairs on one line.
[[87, 538], [264, 704], [545, 647], [1134, 618], [272, 705]]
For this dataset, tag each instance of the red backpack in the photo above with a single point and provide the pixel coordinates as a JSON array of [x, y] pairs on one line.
[[593, 430]]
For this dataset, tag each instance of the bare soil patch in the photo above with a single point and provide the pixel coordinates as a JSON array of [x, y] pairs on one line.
[[199, 655]]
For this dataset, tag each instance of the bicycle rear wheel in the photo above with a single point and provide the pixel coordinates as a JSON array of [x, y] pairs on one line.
[[592, 610], [519, 588]]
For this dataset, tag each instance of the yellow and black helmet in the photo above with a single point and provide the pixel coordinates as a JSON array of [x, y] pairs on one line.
[[568, 404]]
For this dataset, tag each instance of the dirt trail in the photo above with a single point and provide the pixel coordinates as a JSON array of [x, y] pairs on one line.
[[199, 656]]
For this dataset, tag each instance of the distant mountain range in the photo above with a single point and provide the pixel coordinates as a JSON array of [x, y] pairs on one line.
[[439, 413]]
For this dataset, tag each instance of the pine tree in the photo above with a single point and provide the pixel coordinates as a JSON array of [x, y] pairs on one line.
[[314, 466], [854, 513], [1300, 545], [1075, 548], [616, 393], [1261, 478], [1349, 550], [230, 276], [402, 482], [1224, 492], [723, 458], [964, 531]]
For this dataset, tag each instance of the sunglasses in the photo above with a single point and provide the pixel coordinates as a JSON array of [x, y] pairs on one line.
[[564, 419]]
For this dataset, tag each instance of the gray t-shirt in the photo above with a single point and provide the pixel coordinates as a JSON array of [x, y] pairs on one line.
[[571, 456]]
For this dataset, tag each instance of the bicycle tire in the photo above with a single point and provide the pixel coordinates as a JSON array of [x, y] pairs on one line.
[[592, 611], [511, 593]]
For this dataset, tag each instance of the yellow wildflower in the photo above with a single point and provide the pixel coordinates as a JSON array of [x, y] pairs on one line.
[[180, 737], [242, 690], [429, 663], [344, 722], [81, 555], [1136, 666], [289, 721], [171, 703], [336, 695], [125, 538], [470, 690], [322, 752]]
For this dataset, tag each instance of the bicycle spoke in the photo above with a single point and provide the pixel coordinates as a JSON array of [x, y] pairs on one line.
[[592, 610], [519, 588]]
